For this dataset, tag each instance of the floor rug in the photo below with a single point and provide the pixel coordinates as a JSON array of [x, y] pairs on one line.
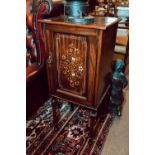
[[72, 135]]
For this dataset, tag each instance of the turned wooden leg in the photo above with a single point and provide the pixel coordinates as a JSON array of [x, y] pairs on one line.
[[92, 122], [93, 116], [72, 107], [56, 114]]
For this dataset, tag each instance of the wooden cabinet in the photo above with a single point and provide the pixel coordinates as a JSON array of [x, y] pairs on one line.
[[78, 59]]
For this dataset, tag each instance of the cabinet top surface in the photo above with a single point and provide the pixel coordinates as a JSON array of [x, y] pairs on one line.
[[99, 22]]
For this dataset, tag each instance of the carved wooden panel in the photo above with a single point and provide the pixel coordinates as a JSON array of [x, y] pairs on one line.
[[71, 52]]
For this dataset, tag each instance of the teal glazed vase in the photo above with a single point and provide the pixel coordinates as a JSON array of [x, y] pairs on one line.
[[76, 11]]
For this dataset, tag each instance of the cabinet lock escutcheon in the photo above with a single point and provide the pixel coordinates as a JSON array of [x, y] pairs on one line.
[[50, 58]]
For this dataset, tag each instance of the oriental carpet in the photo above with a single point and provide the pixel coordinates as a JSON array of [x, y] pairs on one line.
[[71, 137]]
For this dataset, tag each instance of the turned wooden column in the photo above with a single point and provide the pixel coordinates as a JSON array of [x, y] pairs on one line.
[[56, 112]]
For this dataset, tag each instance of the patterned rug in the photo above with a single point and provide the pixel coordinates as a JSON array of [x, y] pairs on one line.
[[72, 135]]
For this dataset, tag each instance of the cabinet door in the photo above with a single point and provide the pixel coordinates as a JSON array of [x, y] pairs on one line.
[[71, 52], [72, 72]]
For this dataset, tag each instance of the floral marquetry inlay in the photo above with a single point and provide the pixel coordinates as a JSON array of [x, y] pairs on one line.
[[72, 65]]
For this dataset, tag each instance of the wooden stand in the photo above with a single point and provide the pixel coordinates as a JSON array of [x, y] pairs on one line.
[[78, 60]]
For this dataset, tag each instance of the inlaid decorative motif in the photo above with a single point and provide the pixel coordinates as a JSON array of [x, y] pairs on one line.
[[72, 65]]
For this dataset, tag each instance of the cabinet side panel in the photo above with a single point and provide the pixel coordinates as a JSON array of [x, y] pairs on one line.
[[107, 51]]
